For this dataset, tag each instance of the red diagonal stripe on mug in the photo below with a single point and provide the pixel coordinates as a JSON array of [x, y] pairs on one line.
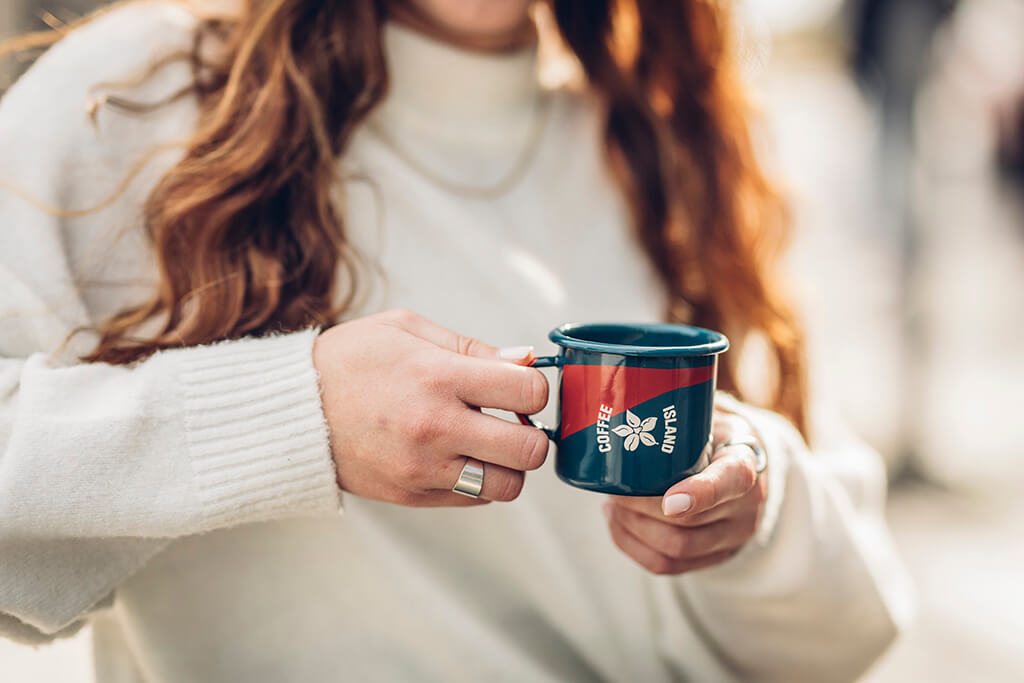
[[585, 388]]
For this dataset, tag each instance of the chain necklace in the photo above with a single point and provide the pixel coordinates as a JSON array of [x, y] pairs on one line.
[[541, 116]]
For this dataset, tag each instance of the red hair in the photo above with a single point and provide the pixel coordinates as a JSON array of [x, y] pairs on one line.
[[249, 241]]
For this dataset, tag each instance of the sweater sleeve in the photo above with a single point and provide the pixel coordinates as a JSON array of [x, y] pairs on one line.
[[819, 592], [102, 466]]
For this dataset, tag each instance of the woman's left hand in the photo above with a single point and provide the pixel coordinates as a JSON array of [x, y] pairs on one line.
[[704, 519]]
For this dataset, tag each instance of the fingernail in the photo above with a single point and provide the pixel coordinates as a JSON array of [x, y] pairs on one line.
[[677, 503], [607, 510], [515, 352]]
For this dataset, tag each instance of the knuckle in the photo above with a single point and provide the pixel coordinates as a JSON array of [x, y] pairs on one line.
[[421, 428], [535, 450], [434, 382], [625, 516], [535, 391], [713, 494], [508, 487], [661, 565], [419, 367], [748, 474], [467, 346], [402, 316], [618, 517]]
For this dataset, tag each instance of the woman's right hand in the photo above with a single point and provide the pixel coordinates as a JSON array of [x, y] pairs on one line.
[[402, 396]]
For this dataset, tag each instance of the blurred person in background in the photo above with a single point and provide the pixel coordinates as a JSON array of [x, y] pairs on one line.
[[214, 229]]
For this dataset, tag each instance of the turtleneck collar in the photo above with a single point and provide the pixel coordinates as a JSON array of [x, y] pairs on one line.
[[439, 88]]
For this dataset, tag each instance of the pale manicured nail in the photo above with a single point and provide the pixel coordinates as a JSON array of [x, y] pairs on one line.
[[515, 352], [677, 503], [607, 510]]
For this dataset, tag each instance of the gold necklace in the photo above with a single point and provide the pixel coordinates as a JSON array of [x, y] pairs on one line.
[[541, 116]]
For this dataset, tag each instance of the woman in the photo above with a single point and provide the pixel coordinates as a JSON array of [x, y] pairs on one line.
[[172, 473]]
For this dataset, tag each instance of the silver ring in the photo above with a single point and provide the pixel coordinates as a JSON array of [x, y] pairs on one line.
[[760, 456], [471, 479]]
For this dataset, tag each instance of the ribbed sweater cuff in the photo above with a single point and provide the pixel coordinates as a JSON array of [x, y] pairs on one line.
[[256, 431]]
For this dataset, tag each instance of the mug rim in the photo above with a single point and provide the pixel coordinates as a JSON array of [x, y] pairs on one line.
[[717, 343]]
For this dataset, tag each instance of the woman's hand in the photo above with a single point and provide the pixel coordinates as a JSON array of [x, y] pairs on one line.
[[402, 395], [701, 521]]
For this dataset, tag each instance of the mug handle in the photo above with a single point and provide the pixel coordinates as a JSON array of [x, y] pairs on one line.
[[541, 362]]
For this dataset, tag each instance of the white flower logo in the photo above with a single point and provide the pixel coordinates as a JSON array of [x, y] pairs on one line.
[[636, 432]]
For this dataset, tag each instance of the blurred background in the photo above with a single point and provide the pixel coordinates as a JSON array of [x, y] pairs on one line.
[[897, 127]]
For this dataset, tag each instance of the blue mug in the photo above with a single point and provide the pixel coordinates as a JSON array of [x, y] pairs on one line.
[[635, 403]]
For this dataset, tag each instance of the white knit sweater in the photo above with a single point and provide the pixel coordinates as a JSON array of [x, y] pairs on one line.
[[187, 506]]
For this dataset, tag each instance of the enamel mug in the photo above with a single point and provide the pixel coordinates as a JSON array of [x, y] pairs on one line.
[[635, 403]]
